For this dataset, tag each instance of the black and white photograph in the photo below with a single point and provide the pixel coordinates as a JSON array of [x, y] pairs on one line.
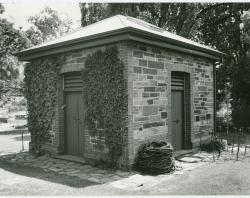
[[124, 98]]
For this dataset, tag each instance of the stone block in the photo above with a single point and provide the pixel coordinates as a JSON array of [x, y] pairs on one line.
[[164, 114], [160, 89], [150, 101], [143, 63], [80, 60], [76, 55], [138, 54], [137, 70], [149, 71], [154, 94], [140, 84], [150, 110], [155, 65], [145, 95], [179, 59], [162, 84], [149, 89], [140, 119], [155, 118], [154, 124], [160, 56], [149, 54]]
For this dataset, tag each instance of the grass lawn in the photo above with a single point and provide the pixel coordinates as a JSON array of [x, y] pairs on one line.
[[221, 177]]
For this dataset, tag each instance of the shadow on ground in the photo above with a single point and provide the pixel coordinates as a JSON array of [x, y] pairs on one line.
[[38, 173]]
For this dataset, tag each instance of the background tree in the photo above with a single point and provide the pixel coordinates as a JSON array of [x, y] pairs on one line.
[[47, 25], [176, 18], [11, 40], [241, 78]]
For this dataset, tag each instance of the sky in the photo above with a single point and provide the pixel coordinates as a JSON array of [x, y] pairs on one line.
[[18, 12]]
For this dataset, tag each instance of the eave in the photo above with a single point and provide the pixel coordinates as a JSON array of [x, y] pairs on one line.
[[124, 34]]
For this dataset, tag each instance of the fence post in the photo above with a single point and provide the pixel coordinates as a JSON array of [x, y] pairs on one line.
[[233, 140], [238, 144], [220, 134], [212, 137], [22, 142], [246, 145], [200, 139]]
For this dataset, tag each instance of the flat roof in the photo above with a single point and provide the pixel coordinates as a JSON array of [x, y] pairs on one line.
[[115, 25]]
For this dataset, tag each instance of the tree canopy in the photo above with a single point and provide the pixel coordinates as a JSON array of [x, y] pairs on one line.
[[47, 25], [11, 40], [241, 78]]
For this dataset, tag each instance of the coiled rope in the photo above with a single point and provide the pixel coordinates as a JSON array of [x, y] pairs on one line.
[[155, 158]]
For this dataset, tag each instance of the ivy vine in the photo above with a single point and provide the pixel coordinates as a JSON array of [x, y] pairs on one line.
[[105, 89], [41, 81]]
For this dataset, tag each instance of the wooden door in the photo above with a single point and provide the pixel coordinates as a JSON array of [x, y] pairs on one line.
[[74, 123], [177, 119]]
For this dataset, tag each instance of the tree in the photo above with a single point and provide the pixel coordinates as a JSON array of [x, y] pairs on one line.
[[11, 40], [47, 25], [241, 78], [176, 18], [220, 28]]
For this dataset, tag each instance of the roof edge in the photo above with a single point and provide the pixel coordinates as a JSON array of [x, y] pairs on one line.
[[54, 47]]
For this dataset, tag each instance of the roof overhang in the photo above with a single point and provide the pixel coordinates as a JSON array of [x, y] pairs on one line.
[[123, 34]]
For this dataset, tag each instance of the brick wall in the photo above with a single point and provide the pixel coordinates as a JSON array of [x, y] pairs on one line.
[[149, 71]]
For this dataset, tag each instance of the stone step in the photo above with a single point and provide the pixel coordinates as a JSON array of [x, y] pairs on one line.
[[71, 158]]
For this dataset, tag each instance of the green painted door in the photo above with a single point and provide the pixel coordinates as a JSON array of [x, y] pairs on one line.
[[177, 119], [75, 112]]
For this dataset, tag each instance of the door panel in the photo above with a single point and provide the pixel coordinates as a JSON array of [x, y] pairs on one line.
[[81, 112], [177, 119], [74, 123]]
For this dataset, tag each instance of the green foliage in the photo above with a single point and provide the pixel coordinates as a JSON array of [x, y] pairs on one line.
[[241, 79], [175, 17], [106, 99], [213, 145], [47, 25], [241, 93], [41, 79], [11, 40]]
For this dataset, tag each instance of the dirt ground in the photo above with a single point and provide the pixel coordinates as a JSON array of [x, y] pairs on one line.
[[221, 177]]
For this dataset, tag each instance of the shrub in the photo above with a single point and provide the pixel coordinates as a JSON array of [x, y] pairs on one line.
[[213, 145]]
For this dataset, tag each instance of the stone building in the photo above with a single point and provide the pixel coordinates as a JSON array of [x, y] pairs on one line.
[[171, 86]]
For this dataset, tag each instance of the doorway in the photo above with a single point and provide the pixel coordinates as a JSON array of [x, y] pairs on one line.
[[74, 115], [180, 104]]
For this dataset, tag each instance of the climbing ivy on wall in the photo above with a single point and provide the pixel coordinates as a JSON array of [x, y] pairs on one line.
[[105, 90], [41, 81]]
